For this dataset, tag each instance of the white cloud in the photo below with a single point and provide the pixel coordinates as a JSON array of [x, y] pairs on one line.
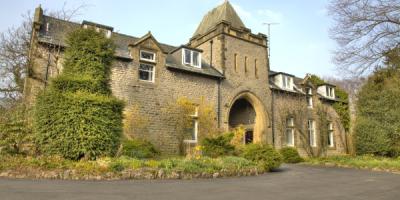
[[272, 16]]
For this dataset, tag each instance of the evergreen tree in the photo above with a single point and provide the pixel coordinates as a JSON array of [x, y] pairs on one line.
[[77, 117], [377, 129]]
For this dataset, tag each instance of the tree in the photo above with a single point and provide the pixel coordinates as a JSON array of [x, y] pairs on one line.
[[377, 128], [364, 30], [77, 116], [14, 48]]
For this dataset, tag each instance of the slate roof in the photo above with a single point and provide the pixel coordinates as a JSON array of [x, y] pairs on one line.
[[224, 12], [206, 69], [58, 30]]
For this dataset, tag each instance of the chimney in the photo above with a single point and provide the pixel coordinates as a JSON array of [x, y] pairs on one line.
[[38, 17]]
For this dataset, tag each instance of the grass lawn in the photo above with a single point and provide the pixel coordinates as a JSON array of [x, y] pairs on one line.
[[359, 162]]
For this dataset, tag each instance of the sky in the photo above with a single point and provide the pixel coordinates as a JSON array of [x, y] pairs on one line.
[[300, 41]]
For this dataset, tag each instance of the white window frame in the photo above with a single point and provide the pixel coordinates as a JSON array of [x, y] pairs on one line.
[[145, 59], [153, 72], [191, 58], [309, 101], [309, 91], [311, 133], [195, 126], [108, 33], [290, 128], [330, 92], [287, 82], [331, 135]]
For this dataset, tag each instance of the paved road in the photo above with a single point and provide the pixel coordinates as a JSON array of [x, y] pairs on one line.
[[291, 182]]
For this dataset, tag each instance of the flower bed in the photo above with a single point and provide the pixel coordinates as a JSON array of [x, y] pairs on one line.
[[126, 168]]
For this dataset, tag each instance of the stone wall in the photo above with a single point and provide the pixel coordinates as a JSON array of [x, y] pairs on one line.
[[288, 104]]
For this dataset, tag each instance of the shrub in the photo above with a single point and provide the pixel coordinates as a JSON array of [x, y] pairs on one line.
[[218, 146], [76, 117], [139, 149], [116, 166], [290, 155], [264, 155], [378, 115], [14, 128]]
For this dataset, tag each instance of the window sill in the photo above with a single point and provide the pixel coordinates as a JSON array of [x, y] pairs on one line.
[[151, 62], [190, 141]]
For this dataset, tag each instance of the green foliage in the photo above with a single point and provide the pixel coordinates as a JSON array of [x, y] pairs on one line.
[[264, 155], [218, 146], [316, 80], [290, 155], [139, 149], [377, 129], [76, 117], [361, 162], [89, 54], [341, 107], [14, 128], [102, 166]]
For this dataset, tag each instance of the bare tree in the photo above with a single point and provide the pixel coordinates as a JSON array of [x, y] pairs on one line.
[[14, 48], [364, 31]]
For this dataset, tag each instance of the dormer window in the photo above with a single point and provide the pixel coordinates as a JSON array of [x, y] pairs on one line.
[[147, 56], [287, 82], [330, 92], [192, 58]]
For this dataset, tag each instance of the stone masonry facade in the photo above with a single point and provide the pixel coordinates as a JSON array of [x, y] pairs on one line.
[[228, 67]]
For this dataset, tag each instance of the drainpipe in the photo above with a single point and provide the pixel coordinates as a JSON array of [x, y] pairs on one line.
[[219, 89], [47, 70], [273, 117]]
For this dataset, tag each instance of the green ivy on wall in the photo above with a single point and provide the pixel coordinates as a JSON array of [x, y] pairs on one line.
[[341, 107]]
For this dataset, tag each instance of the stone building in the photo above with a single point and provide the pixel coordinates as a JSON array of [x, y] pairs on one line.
[[223, 64]]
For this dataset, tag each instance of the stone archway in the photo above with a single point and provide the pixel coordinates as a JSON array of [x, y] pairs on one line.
[[248, 110]]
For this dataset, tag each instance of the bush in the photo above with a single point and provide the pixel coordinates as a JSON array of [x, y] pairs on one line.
[[14, 128], [76, 117], [139, 149], [378, 115], [290, 155], [264, 155], [218, 146]]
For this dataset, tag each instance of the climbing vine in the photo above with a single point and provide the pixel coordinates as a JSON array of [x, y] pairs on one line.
[[341, 107]]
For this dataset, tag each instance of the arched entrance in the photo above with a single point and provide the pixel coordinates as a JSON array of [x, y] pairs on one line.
[[248, 111]]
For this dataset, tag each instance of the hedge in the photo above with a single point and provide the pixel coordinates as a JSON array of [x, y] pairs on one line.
[[76, 117]]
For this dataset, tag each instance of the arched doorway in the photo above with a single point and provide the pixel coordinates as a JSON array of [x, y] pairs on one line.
[[243, 113], [247, 110]]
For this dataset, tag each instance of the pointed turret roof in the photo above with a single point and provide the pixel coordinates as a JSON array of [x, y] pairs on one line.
[[223, 12]]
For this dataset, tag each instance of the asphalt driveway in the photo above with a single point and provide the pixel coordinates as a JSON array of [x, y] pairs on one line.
[[290, 182]]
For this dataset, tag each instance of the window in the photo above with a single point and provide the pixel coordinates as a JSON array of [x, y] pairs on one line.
[[235, 62], [255, 68], [245, 64], [330, 92], [309, 91], [309, 101], [330, 135], [290, 131], [195, 128], [187, 56], [192, 58], [311, 133], [147, 56], [108, 34], [146, 72], [287, 82], [195, 58]]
